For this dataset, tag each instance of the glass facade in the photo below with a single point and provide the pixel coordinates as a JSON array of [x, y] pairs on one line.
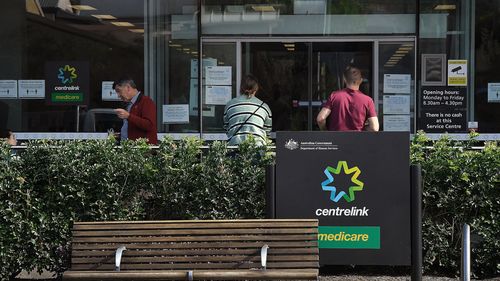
[[426, 64]]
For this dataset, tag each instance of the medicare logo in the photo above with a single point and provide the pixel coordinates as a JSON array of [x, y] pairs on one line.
[[67, 74], [342, 167]]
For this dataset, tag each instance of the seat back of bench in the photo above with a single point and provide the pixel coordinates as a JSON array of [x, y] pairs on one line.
[[190, 245]]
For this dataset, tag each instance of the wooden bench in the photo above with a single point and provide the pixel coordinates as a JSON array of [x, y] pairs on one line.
[[195, 250]]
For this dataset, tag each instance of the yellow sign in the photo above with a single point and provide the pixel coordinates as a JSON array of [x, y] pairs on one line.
[[457, 72]]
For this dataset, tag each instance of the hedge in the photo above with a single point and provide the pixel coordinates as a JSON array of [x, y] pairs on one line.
[[51, 184]]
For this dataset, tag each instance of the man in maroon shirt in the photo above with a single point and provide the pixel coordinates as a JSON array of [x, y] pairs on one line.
[[349, 109], [139, 117]]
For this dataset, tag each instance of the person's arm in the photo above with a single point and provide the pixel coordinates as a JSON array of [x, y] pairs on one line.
[[147, 121], [373, 125], [321, 118], [268, 123]]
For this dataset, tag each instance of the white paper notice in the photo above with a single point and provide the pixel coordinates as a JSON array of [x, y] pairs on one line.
[[397, 123], [493, 92], [175, 113], [8, 89], [217, 95], [396, 104], [397, 83], [218, 75], [107, 92], [31, 89]]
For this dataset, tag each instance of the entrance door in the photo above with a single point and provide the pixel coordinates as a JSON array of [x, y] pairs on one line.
[[297, 77]]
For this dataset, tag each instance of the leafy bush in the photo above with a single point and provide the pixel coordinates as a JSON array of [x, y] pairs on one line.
[[54, 183], [461, 185]]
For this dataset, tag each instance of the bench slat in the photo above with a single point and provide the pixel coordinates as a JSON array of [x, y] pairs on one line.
[[187, 266], [198, 238], [130, 252], [289, 274], [194, 259], [191, 225], [224, 231], [197, 245]]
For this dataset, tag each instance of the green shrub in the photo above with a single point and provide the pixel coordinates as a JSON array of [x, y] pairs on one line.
[[461, 185], [54, 183]]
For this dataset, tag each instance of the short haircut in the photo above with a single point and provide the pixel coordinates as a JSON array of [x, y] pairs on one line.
[[124, 81], [5, 133], [352, 75], [249, 84]]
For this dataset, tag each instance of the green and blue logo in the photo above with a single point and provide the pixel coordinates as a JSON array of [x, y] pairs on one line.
[[336, 195], [67, 74]]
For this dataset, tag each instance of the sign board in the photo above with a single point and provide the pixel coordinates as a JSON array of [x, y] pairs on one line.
[[67, 82], [108, 93], [32, 89], [397, 83], [493, 92], [457, 72], [357, 184], [8, 89], [443, 109]]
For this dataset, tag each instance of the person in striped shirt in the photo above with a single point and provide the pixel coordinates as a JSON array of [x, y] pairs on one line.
[[247, 115]]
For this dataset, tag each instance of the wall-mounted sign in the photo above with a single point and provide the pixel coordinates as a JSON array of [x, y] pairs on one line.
[[175, 113], [443, 109], [493, 92], [457, 72], [397, 83], [8, 89], [363, 207], [218, 75], [67, 82], [31, 89], [206, 62], [396, 104], [107, 91]]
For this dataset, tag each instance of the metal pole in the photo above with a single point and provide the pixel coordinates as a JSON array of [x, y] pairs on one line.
[[270, 192], [77, 118], [416, 222], [465, 264]]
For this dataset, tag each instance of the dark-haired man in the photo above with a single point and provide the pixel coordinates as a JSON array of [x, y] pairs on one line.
[[139, 117], [349, 109]]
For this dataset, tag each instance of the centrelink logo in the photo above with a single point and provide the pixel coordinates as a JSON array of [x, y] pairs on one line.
[[336, 195], [67, 74]]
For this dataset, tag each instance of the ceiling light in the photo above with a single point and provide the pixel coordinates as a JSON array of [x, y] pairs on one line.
[[121, 23], [443, 7], [405, 48], [194, 53], [401, 52], [185, 49], [290, 49], [83, 7], [175, 45], [407, 45], [289, 45], [104, 17], [263, 8], [137, 30], [398, 55]]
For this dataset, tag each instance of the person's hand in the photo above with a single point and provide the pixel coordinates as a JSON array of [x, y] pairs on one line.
[[122, 113]]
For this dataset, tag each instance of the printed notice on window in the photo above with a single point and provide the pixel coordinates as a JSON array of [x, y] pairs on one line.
[[397, 83], [217, 95], [493, 92], [107, 92], [175, 113], [218, 75], [396, 104], [396, 123], [457, 72], [8, 89], [32, 89]]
